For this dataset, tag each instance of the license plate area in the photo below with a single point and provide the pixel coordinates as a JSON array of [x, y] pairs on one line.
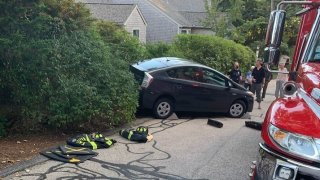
[[285, 171]]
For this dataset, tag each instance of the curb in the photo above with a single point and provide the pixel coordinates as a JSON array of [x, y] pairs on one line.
[[21, 166]]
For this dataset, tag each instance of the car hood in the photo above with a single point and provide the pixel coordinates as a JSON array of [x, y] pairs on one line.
[[296, 115]]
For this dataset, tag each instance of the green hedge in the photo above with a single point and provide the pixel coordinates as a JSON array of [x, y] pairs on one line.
[[160, 49], [122, 44], [212, 51], [57, 69]]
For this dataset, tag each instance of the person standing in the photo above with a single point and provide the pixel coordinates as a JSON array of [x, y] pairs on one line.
[[281, 79], [258, 80], [248, 80], [235, 73], [269, 77]]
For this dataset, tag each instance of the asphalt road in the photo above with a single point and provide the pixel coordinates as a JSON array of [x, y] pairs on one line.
[[185, 148]]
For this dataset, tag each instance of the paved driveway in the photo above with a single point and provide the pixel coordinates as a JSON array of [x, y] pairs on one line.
[[185, 148]]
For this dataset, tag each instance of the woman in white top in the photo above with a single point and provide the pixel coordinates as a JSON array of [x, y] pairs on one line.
[[281, 79]]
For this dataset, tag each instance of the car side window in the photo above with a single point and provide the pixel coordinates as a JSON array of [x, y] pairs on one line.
[[186, 73], [212, 77]]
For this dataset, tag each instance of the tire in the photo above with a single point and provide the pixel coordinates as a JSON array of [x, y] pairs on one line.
[[237, 109], [163, 108]]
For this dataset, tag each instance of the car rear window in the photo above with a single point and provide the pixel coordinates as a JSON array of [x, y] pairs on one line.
[[149, 65]]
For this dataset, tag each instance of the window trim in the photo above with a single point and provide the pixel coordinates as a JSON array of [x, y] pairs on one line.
[[188, 31], [311, 41], [133, 34]]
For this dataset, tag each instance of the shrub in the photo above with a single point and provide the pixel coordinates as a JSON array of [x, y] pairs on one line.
[[123, 45], [160, 49], [212, 51], [58, 71], [2, 127]]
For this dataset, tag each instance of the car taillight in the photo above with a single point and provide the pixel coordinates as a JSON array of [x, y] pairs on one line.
[[146, 80]]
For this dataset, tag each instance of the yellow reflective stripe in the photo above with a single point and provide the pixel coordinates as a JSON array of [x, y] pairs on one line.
[[74, 160], [75, 150], [130, 134], [109, 142], [93, 144], [87, 138]]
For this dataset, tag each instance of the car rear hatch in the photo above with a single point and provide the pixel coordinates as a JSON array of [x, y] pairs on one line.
[[143, 78], [138, 74]]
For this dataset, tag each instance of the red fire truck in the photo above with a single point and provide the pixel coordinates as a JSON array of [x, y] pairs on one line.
[[291, 128]]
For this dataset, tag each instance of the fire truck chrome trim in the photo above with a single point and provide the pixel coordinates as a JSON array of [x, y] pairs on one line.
[[294, 2], [311, 103], [286, 159]]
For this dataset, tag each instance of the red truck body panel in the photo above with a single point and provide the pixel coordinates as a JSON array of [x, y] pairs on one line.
[[293, 114]]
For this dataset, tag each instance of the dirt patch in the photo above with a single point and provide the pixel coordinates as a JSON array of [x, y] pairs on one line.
[[24, 147]]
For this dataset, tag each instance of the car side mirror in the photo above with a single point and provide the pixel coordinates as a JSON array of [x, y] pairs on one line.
[[228, 84], [275, 28], [272, 56]]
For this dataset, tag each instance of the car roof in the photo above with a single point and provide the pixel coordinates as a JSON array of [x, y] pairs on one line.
[[163, 62]]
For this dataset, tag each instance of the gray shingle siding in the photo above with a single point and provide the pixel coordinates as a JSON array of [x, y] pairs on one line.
[[160, 27], [115, 13], [165, 18], [134, 22]]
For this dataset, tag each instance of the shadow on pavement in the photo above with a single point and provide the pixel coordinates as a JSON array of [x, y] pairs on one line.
[[140, 168], [183, 115]]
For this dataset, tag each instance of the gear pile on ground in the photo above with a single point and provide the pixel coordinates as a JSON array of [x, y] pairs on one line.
[[69, 154], [79, 148], [92, 141], [141, 134]]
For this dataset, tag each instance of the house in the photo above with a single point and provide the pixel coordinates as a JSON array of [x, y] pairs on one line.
[[127, 15], [167, 18]]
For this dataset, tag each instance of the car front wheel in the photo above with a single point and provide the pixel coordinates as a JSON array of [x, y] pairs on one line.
[[163, 108], [237, 109]]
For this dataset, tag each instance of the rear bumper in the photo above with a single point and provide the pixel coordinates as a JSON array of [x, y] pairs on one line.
[[147, 98], [269, 163]]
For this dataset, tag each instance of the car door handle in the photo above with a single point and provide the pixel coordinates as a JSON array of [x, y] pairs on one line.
[[234, 94], [178, 86]]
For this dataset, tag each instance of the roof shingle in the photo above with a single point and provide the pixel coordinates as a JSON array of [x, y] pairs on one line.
[[118, 13]]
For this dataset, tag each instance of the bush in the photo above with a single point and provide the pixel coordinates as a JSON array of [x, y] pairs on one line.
[[123, 45], [212, 51], [2, 127], [58, 70], [160, 49]]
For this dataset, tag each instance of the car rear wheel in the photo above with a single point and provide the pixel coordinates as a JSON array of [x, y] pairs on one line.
[[237, 109], [163, 108]]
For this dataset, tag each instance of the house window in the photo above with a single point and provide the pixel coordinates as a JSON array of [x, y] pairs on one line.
[[135, 33], [185, 31]]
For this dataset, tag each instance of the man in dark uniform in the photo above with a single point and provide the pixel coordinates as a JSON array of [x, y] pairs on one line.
[[235, 73], [258, 80]]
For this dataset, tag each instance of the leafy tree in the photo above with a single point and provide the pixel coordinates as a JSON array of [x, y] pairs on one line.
[[245, 21], [223, 15]]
